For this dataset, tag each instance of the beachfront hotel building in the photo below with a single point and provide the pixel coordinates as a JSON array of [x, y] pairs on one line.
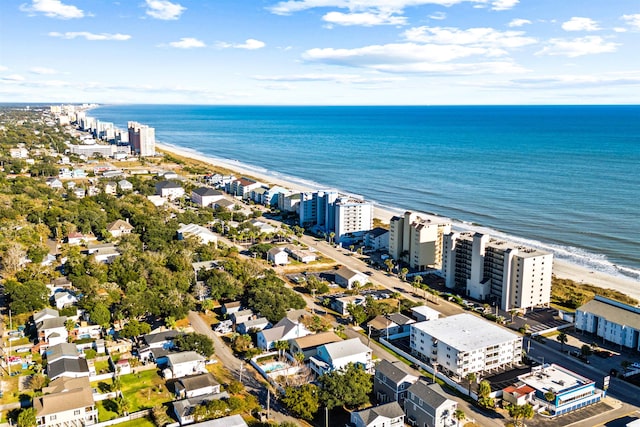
[[464, 343], [329, 212], [417, 240], [142, 139], [610, 320], [487, 269]]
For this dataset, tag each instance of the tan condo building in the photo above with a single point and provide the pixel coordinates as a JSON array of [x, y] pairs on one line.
[[417, 240]]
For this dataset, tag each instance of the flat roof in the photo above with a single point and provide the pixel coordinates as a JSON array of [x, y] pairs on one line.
[[466, 332], [553, 377]]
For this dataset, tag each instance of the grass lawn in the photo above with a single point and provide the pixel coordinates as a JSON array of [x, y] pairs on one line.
[[140, 422], [144, 390], [101, 366]]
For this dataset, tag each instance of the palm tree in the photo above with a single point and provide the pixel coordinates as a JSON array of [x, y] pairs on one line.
[[562, 338], [550, 396], [389, 263], [403, 273], [471, 377], [281, 346], [417, 281], [459, 415], [299, 356], [332, 235]]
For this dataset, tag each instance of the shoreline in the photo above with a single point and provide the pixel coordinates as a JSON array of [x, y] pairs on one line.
[[562, 269]]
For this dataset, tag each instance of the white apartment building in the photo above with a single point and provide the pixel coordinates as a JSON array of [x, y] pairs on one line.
[[315, 209], [352, 217], [142, 139], [417, 239], [488, 269], [465, 343], [610, 320]]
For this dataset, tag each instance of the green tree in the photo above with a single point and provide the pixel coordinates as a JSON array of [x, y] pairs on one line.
[[403, 273], [349, 387], [133, 328], [586, 351], [100, 315], [199, 343], [281, 346], [358, 313], [27, 418], [389, 263], [459, 415], [562, 339], [303, 401], [26, 297], [520, 412], [550, 396], [484, 393]]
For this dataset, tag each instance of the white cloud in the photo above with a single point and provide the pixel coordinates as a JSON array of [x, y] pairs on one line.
[[249, 44], [187, 43], [504, 4], [90, 36], [438, 16], [518, 22], [337, 78], [289, 7], [580, 80], [479, 37], [163, 9], [3, 68], [573, 48], [53, 9], [365, 19], [13, 78], [580, 24], [632, 20], [42, 70]]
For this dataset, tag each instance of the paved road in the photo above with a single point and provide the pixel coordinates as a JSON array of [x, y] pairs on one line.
[[250, 377]]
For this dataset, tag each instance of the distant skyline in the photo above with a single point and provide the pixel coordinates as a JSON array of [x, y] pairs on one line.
[[321, 52]]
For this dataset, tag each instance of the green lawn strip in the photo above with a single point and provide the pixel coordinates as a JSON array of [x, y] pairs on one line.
[[144, 390], [140, 422]]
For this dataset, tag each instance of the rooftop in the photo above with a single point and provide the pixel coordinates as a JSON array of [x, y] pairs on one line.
[[613, 311], [389, 410], [553, 378], [315, 340], [346, 348], [395, 371], [431, 394], [466, 332], [63, 401]]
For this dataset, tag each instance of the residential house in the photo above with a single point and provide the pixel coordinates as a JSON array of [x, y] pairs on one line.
[[337, 355], [348, 278], [119, 227], [125, 185], [308, 345], [63, 350], [391, 382], [54, 183], [240, 316], [205, 196], [63, 299], [123, 367], [204, 235], [382, 325], [79, 192], [428, 405], [341, 305], [75, 238], [103, 252], [111, 188], [301, 255], [225, 204], [277, 256], [45, 313], [68, 403], [231, 307], [377, 239], [185, 409], [68, 367], [19, 153], [263, 227], [284, 330], [184, 363], [52, 330], [387, 415], [251, 325], [159, 340], [169, 190], [231, 421], [197, 385]]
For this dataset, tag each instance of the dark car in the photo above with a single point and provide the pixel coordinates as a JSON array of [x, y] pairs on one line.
[[604, 354]]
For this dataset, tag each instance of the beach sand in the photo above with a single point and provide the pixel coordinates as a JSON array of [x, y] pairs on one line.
[[561, 269]]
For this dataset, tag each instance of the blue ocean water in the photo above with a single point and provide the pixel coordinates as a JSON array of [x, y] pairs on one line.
[[564, 178]]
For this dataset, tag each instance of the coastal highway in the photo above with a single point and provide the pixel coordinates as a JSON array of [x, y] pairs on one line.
[[379, 277]]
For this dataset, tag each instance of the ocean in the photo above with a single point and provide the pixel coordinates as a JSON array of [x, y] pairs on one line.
[[561, 178]]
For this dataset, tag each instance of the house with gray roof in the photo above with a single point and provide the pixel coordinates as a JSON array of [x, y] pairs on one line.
[[70, 368], [63, 350], [610, 320], [205, 196], [428, 405], [45, 313], [71, 404], [52, 330], [285, 330], [185, 409], [184, 363], [391, 381], [197, 385], [337, 355], [230, 421], [257, 324], [347, 278], [387, 415]]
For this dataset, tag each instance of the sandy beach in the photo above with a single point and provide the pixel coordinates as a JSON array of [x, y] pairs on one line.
[[561, 268]]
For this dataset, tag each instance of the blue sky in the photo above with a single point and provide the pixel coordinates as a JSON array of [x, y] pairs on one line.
[[321, 52]]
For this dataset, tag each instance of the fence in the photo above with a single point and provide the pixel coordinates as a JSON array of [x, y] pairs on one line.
[[129, 417]]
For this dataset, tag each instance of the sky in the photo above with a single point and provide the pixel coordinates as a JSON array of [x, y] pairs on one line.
[[320, 52]]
